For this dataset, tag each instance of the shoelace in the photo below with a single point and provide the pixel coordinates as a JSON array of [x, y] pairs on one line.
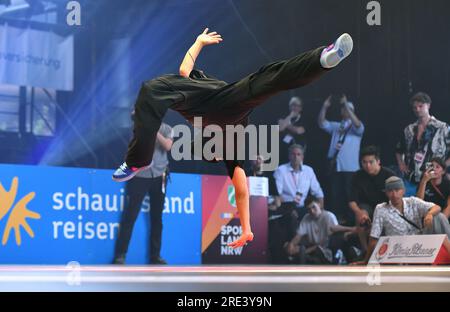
[[123, 167]]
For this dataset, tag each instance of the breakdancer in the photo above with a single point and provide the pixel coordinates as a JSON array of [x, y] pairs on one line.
[[192, 93]]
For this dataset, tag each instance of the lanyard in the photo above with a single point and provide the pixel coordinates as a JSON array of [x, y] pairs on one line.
[[409, 221], [343, 129], [294, 178], [402, 215]]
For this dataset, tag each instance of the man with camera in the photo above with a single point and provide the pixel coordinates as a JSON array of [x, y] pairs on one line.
[[343, 154], [292, 128], [434, 186]]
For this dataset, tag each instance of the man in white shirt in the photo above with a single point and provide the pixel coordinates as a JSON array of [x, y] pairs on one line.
[[311, 244], [295, 180], [405, 216]]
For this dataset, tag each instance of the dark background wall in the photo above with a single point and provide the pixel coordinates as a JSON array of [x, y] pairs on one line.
[[409, 52]]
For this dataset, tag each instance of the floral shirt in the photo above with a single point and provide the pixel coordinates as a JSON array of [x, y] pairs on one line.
[[435, 142], [387, 219]]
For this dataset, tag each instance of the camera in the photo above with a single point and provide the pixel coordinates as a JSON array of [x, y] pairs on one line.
[[429, 166], [365, 224]]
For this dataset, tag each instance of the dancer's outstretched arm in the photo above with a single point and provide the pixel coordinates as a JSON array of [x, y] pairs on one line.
[[203, 39], [243, 206]]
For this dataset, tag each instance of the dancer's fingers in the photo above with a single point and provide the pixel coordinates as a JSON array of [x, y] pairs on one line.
[[238, 243], [205, 31], [213, 33]]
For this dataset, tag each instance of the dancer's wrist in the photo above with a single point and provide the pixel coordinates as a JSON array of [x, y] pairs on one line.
[[199, 43]]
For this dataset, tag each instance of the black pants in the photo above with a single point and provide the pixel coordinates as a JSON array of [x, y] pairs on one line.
[[136, 189], [345, 243], [340, 188], [282, 230], [369, 208], [229, 105]]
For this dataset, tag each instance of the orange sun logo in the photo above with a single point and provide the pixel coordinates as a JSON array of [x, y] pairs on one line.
[[19, 212]]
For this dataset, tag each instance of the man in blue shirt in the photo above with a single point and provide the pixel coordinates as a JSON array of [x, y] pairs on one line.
[[343, 154]]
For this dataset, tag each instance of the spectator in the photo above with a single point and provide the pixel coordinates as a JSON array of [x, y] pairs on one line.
[[434, 186], [292, 128], [421, 141], [343, 154], [311, 243], [292, 180], [405, 216], [295, 180], [151, 181], [367, 190], [257, 170], [279, 219]]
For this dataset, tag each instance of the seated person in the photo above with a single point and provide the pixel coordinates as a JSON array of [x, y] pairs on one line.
[[434, 186], [405, 216], [367, 190], [311, 243], [296, 180]]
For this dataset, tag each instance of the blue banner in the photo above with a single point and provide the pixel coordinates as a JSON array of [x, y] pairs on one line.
[[55, 215]]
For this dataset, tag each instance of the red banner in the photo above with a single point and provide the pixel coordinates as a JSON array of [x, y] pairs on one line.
[[220, 224]]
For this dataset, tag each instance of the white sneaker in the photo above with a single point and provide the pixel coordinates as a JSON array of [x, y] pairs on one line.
[[337, 51]]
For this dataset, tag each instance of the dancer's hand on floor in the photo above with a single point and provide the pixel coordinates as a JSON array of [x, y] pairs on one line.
[[241, 241], [209, 38]]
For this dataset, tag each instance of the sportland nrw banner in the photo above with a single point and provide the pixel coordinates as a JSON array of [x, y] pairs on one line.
[[30, 57], [220, 221], [52, 215]]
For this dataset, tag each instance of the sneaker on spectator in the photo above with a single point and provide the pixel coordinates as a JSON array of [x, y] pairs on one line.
[[119, 260], [339, 258], [324, 255]]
